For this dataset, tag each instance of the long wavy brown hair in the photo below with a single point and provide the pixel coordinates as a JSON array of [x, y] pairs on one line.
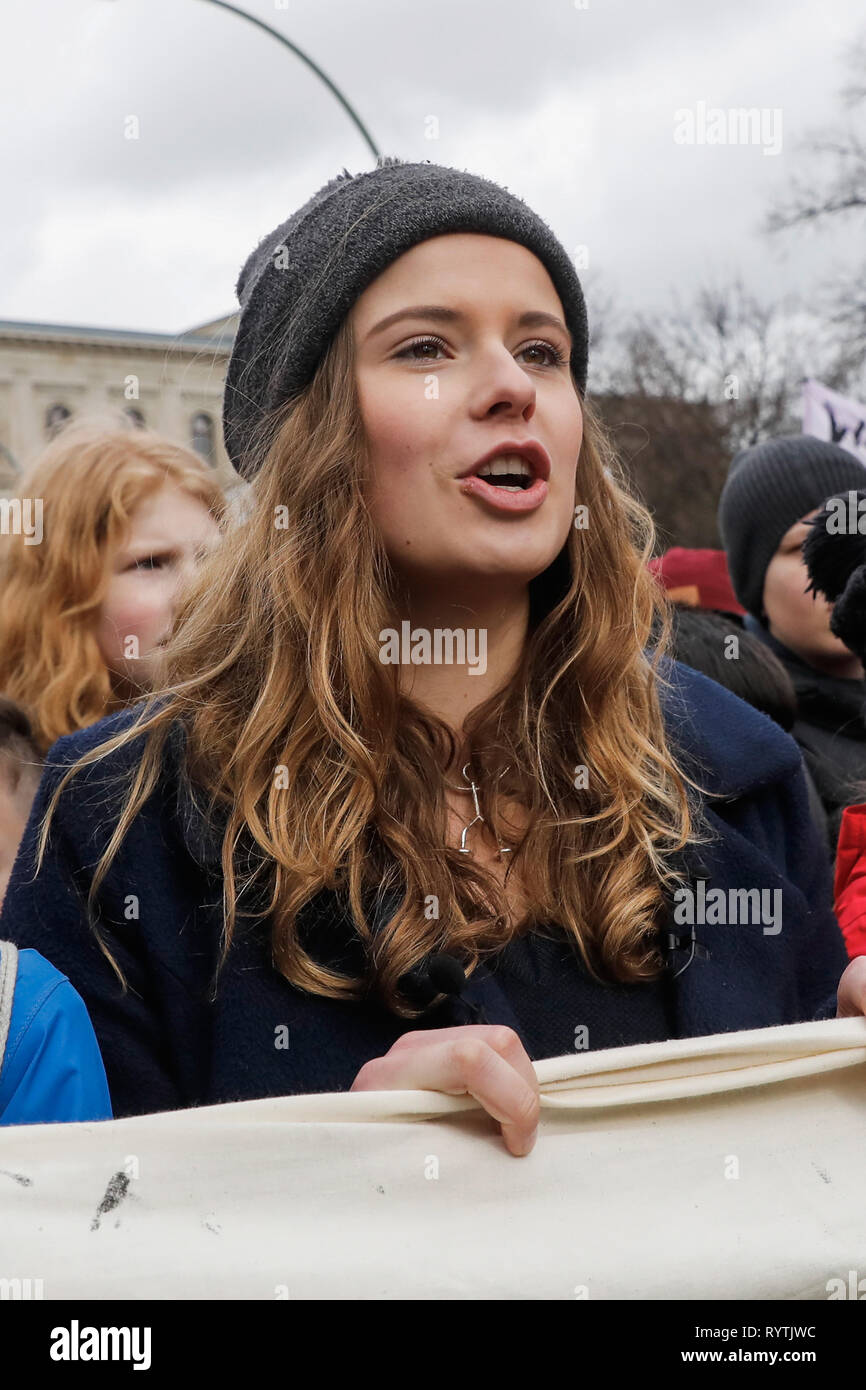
[[322, 775], [89, 480]]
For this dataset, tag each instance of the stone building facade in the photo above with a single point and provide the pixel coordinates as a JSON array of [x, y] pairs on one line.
[[174, 384], [171, 383]]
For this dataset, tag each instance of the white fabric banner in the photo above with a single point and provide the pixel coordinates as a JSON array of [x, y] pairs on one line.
[[729, 1167], [828, 415]]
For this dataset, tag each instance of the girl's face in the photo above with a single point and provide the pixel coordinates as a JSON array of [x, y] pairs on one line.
[[797, 619], [169, 532], [483, 366]]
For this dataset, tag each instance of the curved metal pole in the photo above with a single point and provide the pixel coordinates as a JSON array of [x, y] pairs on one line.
[[275, 33]]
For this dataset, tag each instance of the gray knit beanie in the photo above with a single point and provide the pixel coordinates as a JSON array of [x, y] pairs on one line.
[[299, 283], [769, 487]]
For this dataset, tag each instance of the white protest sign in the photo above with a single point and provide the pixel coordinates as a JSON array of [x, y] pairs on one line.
[[839, 419]]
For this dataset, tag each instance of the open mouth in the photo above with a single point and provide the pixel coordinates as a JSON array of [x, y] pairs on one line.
[[509, 482], [509, 472]]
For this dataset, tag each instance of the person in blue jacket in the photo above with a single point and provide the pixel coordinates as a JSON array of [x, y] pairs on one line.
[[50, 1066], [423, 800]]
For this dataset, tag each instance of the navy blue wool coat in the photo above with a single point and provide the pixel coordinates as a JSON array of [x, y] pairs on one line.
[[167, 1044]]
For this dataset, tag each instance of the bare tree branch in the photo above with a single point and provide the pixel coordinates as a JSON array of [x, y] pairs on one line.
[[836, 183]]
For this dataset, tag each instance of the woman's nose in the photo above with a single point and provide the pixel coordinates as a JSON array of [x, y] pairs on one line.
[[507, 384]]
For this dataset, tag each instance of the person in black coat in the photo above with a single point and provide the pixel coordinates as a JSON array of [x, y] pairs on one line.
[[772, 493], [355, 844], [716, 644]]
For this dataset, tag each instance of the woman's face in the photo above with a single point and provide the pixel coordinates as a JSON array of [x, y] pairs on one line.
[[441, 390], [801, 620], [169, 532]]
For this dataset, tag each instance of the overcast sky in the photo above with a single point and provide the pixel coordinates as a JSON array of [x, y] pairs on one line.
[[571, 108]]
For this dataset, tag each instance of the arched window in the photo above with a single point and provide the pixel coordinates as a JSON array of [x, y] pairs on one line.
[[135, 416], [202, 436], [55, 418]]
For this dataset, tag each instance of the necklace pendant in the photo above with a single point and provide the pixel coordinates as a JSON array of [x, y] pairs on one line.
[[464, 848], [472, 790]]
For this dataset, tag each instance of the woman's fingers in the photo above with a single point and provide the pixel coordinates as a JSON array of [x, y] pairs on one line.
[[462, 1061], [502, 1039], [851, 996]]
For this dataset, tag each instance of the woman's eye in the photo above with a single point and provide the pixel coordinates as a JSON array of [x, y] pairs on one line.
[[421, 342], [557, 356], [150, 562]]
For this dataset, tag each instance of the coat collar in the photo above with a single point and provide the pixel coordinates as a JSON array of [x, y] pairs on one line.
[[833, 702], [729, 748]]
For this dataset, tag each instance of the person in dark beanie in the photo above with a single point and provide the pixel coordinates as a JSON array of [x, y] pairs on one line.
[[772, 492], [835, 556], [341, 850]]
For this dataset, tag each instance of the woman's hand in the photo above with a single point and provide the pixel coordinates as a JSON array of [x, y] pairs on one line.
[[485, 1061], [851, 996]]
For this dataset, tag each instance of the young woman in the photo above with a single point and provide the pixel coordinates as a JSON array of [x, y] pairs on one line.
[[311, 866], [88, 599]]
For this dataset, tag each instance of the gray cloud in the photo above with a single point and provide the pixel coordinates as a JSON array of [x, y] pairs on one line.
[[572, 109]]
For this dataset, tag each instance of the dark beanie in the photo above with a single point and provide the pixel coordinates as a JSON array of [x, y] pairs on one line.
[[299, 283], [769, 487]]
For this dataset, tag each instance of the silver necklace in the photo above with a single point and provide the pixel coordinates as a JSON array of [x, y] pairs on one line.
[[472, 790]]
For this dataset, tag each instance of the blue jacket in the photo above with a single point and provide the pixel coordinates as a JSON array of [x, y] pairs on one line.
[[51, 1069], [169, 1043]]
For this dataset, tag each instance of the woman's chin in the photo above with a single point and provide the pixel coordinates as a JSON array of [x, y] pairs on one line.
[[515, 564], [468, 560]]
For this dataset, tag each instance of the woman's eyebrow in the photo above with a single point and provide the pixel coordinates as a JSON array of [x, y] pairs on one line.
[[532, 318]]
